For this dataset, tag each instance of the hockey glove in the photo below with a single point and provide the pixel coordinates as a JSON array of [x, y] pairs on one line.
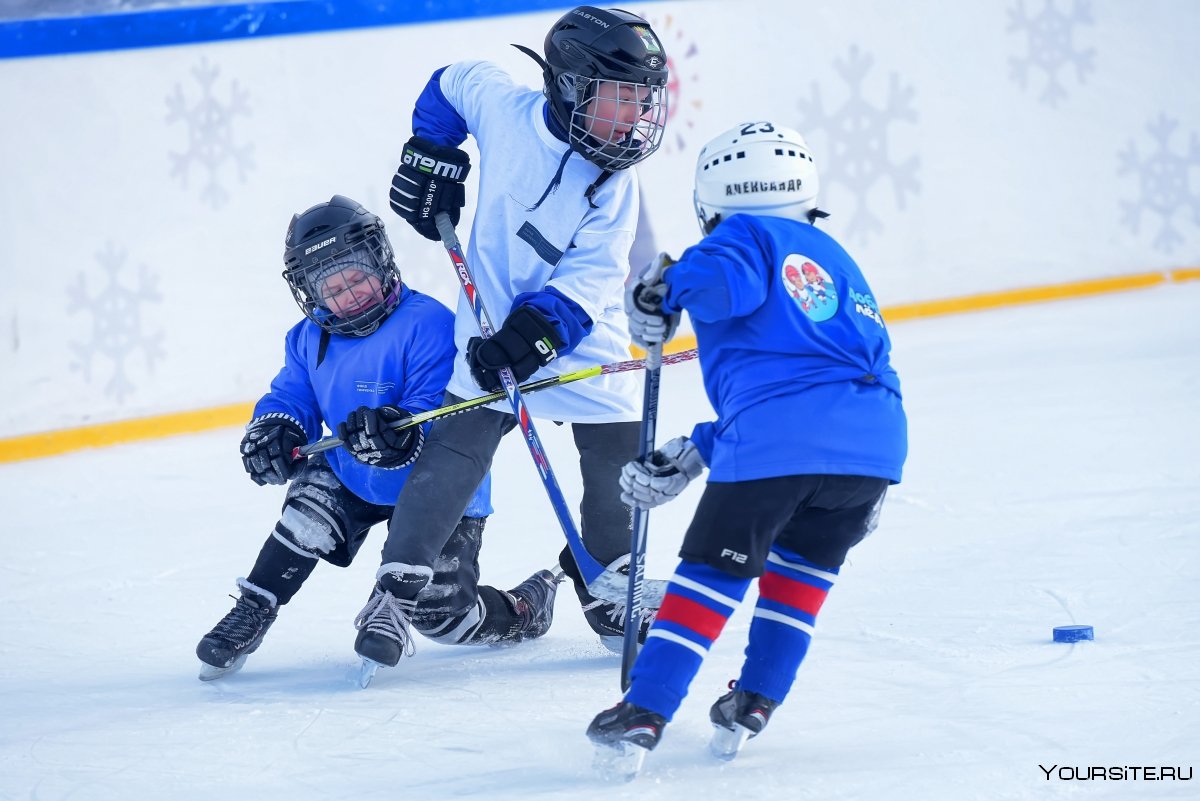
[[267, 448], [662, 476], [369, 437], [526, 342], [428, 181], [649, 324]]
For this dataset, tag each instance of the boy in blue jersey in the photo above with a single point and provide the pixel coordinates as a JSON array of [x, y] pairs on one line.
[[556, 214], [788, 330], [370, 351]]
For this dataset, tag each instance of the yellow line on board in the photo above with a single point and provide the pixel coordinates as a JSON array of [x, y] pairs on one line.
[[52, 443], [1017, 297]]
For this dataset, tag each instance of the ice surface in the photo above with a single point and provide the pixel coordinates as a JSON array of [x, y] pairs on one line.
[[1053, 479]]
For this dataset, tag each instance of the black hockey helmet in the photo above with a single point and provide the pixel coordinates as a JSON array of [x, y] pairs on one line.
[[588, 47], [330, 238]]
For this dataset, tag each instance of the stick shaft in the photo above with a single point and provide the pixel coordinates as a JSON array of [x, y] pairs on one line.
[[641, 521], [328, 443]]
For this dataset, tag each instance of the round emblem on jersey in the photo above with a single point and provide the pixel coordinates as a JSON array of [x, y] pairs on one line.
[[810, 287]]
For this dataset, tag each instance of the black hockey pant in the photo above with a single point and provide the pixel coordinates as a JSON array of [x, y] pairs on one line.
[[457, 455], [323, 520]]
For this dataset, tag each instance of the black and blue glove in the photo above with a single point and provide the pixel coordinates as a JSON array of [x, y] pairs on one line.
[[370, 438], [267, 448]]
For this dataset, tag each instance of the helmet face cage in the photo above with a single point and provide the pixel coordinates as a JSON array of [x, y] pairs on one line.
[[756, 168], [616, 124], [355, 246], [606, 80]]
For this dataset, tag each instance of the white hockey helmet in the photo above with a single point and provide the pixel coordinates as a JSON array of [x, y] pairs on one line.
[[756, 168]]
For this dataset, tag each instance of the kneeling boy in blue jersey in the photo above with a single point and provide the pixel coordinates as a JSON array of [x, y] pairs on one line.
[[371, 351]]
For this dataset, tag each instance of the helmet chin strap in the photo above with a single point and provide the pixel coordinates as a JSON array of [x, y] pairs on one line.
[[557, 104], [563, 113], [534, 55]]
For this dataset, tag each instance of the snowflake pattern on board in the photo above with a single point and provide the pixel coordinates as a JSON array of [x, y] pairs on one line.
[[211, 142], [1164, 183], [858, 156], [117, 329], [1050, 45]]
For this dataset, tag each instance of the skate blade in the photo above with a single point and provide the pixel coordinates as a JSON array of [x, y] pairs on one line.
[[367, 672], [618, 762], [613, 642], [210, 672], [726, 743]]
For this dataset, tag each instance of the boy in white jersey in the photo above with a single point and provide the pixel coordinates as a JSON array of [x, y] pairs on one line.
[[549, 251]]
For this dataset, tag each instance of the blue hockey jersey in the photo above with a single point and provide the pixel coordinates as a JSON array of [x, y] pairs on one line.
[[794, 354], [406, 362]]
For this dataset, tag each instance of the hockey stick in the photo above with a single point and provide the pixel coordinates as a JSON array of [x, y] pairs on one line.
[[329, 443], [605, 584], [641, 520]]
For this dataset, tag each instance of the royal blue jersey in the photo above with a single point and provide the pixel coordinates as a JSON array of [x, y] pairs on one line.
[[794, 353], [406, 362]]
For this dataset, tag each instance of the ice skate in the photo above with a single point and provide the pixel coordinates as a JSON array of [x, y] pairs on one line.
[[533, 600], [383, 630], [736, 717], [224, 649], [607, 618], [622, 737]]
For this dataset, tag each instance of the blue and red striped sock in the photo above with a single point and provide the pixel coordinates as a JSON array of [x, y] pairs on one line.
[[790, 594], [698, 601]]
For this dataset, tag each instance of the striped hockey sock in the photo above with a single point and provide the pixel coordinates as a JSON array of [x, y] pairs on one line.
[[698, 601], [790, 594]]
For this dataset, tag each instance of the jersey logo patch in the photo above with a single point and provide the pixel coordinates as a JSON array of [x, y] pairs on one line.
[[810, 287], [865, 305], [374, 387]]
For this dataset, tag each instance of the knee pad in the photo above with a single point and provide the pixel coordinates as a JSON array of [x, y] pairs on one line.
[[309, 526]]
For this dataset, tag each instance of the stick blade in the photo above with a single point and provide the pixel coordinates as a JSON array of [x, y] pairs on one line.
[[613, 587]]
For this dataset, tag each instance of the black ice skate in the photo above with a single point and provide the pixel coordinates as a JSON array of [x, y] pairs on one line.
[[736, 717], [607, 618], [533, 600], [224, 649], [623, 735], [383, 628]]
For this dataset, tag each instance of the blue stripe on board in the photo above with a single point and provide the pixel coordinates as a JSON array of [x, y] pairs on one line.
[[59, 35]]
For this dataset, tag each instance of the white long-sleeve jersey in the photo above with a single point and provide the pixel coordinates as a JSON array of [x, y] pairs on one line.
[[564, 243]]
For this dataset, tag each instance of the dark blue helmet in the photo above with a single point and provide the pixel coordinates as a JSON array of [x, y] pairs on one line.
[[330, 251]]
